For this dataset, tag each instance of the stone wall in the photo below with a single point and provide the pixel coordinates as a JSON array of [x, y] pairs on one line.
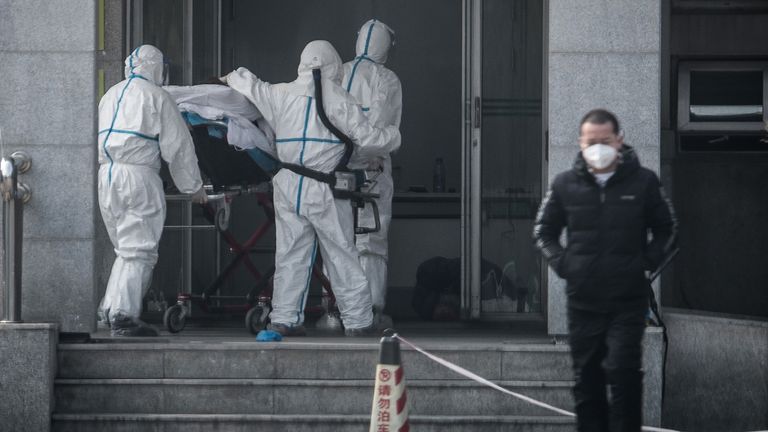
[[48, 109], [602, 54], [717, 372], [27, 371]]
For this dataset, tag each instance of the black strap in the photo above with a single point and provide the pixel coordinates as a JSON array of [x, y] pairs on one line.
[[651, 296], [307, 172], [348, 143], [655, 309], [664, 337], [664, 263]]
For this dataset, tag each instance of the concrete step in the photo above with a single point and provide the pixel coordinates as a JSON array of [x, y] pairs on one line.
[[286, 360], [298, 396], [297, 423]]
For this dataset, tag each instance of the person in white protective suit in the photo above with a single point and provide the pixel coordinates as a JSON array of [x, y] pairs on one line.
[[306, 213], [379, 92], [138, 124]]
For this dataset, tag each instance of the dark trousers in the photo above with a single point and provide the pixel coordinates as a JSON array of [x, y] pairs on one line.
[[606, 349]]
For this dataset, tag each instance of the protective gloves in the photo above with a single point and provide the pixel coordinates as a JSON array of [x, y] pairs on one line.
[[200, 197]]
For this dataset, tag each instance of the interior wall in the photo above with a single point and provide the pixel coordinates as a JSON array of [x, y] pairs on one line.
[[721, 198], [268, 37]]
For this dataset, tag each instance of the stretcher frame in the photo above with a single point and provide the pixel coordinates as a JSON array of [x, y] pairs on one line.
[[256, 304]]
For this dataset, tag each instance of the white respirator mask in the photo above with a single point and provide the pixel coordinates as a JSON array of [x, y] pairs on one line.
[[599, 156]]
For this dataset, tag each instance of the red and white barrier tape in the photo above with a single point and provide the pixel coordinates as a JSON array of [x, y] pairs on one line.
[[461, 371]]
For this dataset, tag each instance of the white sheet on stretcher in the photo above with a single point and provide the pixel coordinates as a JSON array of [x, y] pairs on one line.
[[216, 102]]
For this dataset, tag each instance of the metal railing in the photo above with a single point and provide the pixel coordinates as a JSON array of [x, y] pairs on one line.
[[14, 195]]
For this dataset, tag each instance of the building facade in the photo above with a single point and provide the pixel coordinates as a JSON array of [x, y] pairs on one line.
[[494, 88]]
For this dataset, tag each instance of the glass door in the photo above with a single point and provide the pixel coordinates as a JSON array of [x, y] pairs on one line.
[[503, 157], [188, 32]]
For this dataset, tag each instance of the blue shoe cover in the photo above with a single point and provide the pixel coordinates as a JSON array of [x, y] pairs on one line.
[[269, 336]]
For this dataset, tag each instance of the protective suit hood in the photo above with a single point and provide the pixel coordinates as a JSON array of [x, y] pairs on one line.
[[320, 54], [147, 62], [374, 41]]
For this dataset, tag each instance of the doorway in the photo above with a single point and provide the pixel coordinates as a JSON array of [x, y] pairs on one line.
[[504, 158], [472, 76]]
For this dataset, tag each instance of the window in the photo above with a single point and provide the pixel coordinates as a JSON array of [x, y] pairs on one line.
[[722, 96]]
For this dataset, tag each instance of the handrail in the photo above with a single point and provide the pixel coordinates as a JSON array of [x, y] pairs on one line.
[[14, 195]]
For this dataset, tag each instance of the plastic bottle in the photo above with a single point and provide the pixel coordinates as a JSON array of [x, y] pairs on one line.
[[438, 176]]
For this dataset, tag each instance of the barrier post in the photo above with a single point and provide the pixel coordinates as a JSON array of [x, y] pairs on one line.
[[389, 412]]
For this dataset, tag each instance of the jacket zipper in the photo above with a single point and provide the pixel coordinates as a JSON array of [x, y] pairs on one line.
[[600, 233]]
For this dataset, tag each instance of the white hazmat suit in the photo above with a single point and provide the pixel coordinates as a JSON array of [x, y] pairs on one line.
[[379, 92], [307, 215], [139, 123]]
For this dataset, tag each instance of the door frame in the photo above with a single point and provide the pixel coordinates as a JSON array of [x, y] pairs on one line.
[[471, 56], [471, 189]]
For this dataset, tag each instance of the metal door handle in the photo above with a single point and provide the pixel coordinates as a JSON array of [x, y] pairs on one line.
[[478, 111]]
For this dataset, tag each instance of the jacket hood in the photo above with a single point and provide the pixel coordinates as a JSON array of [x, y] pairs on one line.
[[628, 163], [374, 41], [145, 61]]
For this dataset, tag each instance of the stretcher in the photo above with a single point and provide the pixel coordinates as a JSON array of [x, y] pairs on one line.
[[232, 172], [229, 174]]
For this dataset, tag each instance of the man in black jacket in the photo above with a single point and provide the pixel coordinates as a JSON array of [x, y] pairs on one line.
[[608, 203]]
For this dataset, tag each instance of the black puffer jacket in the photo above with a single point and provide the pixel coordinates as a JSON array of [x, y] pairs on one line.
[[608, 250]]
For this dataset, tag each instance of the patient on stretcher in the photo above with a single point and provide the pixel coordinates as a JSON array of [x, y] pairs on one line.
[[233, 142], [220, 104]]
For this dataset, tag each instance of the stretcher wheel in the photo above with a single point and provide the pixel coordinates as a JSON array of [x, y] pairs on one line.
[[256, 319], [175, 319], [222, 219]]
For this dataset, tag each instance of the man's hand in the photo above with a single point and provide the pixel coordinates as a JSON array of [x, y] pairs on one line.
[[200, 197]]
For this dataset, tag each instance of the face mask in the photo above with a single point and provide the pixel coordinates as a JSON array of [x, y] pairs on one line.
[[599, 156]]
